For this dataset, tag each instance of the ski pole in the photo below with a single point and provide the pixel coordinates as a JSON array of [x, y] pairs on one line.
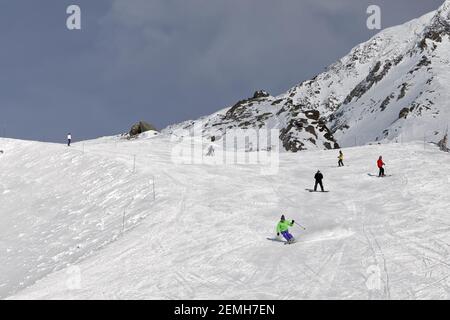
[[300, 225]]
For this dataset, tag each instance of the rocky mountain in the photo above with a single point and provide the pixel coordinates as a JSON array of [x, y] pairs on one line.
[[393, 87]]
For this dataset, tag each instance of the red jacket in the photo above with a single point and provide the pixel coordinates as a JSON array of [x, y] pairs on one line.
[[380, 163]]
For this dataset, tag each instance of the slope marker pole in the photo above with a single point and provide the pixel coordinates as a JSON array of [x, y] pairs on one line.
[[123, 221], [154, 194]]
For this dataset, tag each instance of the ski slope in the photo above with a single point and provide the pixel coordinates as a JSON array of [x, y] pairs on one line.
[[64, 235]]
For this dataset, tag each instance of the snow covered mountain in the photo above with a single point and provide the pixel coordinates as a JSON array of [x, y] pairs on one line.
[[393, 87]]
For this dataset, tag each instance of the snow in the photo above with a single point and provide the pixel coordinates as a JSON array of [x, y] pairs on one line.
[[204, 235]]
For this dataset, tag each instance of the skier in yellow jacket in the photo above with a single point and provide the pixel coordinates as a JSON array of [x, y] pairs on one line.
[[341, 159]]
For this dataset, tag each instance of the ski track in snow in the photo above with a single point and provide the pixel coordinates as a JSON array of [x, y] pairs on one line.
[[203, 237]]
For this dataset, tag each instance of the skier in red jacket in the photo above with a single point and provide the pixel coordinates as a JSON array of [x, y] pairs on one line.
[[380, 165]]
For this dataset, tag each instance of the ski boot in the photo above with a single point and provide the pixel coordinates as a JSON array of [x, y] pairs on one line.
[[290, 241]]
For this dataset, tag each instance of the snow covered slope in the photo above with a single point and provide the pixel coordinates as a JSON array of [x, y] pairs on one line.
[[393, 87], [59, 205], [204, 236]]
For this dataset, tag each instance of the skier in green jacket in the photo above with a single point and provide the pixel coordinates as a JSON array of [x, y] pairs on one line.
[[283, 228]]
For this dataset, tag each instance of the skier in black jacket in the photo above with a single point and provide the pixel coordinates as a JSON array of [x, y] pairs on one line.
[[319, 178]]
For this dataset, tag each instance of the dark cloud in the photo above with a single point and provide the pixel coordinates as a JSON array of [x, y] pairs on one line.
[[165, 60]]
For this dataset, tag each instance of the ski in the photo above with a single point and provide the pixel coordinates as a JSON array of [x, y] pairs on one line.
[[276, 240], [377, 176], [312, 190], [280, 240]]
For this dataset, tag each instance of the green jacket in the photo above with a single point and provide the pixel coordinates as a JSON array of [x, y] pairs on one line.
[[284, 225]]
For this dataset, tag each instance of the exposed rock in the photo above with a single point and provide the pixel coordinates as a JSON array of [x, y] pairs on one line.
[[312, 114], [443, 143], [260, 94], [141, 127], [386, 101], [403, 113], [311, 130], [402, 91]]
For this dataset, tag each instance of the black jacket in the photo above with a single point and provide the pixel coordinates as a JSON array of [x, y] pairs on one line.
[[318, 176]]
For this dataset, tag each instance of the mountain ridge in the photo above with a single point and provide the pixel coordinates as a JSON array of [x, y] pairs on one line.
[[384, 89]]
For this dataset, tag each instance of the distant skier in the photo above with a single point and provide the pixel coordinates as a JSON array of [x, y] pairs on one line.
[[283, 228], [341, 159], [210, 151], [380, 165], [318, 177], [69, 139]]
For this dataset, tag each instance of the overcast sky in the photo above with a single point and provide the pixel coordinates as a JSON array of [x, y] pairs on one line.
[[165, 61]]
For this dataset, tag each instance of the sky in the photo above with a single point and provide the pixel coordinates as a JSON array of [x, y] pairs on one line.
[[165, 61]]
